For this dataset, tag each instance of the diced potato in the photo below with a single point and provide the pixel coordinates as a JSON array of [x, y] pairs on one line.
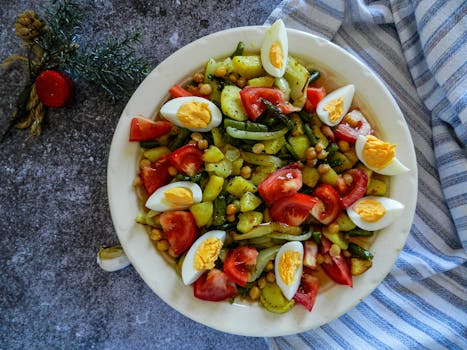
[[266, 81], [222, 168], [273, 146], [248, 220], [249, 202], [217, 137], [213, 154], [345, 164], [213, 188], [310, 176], [359, 266], [154, 154], [297, 76], [231, 104], [260, 173], [297, 129], [344, 222], [351, 156], [300, 145], [238, 186], [376, 187], [248, 66], [237, 165], [330, 177], [202, 212]]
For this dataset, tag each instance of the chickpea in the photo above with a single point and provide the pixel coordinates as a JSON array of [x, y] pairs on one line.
[[155, 234], [319, 259], [343, 145], [311, 162], [322, 155], [203, 144], [254, 293], [346, 254], [258, 148], [310, 153], [198, 77], [270, 277], [319, 147], [269, 266], [241, 82], [162, 245], [230, 218], [196, 136], [193, 89], [231, 209], [171, 253], [323, 168], [335, 251], [233, 78], [348, 179], [144, 163], [205, 89], [172, 171], [220, 71], [137, 181], [262, 282], [245, 172], [192, 142]]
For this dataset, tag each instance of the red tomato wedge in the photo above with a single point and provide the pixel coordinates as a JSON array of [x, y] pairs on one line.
[[358, 187], [307, 292], [143, 129], [314, 95], [353, 124], [187, 159], [292, 210], [177, 91], [180, 229], [251, 99], [156, 175], [281, 183], [310, 254], [328, 207], [338, 267], [239, 264], [214, 285]]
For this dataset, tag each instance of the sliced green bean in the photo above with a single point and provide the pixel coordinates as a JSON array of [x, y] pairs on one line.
[[247, 125], [314, 75], [277, 112], [359, 232], [331, 149], [264, 256], [262, 159], [255, 135], [359, 252], [149, 144], [316, 236], [310, 135], [239, 50], [258, 231], [180, 139]]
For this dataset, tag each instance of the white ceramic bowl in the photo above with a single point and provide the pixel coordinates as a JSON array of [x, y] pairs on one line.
[[243, 319]]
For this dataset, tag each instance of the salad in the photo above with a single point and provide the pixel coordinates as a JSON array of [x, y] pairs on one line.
[[261, 180]]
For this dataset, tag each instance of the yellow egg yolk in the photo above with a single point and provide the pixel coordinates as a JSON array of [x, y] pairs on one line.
[[335, 108], [369, 210], [376, 153], [179, 196], [207, 253], [276, 55], [194, 114], [288, 266]]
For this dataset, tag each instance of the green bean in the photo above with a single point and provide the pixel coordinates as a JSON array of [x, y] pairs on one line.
[[310, 135], [258, 231], [239, 50], [316, 236], [308, 117], [277, 112], [331, 149], [248, 125], [264, 256], [359, 232], [180, 139], [262, 159], [255, 135], [314, 75], [219, 211], [149, 144], [291, 151]]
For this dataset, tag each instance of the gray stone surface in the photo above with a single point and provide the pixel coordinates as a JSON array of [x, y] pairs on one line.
[[53, 201]]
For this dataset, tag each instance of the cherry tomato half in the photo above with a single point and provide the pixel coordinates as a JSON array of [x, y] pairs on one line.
[[292, 210], [143, 129], [328, 207], [156, 175], [180, 229], [358, 187], [281, 183], [239, 263], [187, 159], [214, 285]]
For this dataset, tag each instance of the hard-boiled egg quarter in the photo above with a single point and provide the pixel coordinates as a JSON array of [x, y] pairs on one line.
[[175, 196], [378, 155], [288, 268], [202, 255], [334, 106], [193, 113], [373, 213], [274, 50]]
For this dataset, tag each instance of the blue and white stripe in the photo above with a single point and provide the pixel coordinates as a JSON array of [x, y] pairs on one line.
[[418, 48]]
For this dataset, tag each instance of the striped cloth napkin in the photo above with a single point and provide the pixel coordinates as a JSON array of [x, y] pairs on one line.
[[418, 49]]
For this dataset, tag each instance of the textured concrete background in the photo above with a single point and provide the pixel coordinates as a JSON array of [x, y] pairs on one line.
[[53, 201]]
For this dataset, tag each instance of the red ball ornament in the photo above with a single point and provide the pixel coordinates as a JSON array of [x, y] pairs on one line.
[[54, 88]]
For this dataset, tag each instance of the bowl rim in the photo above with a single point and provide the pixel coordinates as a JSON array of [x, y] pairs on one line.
[[244, 319]]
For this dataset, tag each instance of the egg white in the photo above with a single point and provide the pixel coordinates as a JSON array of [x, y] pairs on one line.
[[346, 92], [394, 209], [277, 33], [189, 273], [170, 108], [289, 290], [157, 201], [394, 167]]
